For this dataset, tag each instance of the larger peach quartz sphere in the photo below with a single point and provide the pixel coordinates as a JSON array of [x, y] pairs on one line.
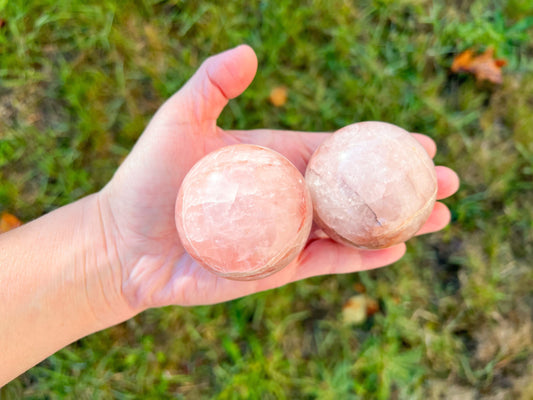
[[372, 185], [244, 212]]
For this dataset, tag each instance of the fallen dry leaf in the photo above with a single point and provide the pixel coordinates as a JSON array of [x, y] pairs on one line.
[[483, 66], [358, 308], [503, 339], [372, 306], [359, 287], [438, 389], [278, 96], [354, 311], [8, 222]]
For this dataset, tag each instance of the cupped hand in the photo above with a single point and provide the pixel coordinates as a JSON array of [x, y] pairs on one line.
[[137, 206]]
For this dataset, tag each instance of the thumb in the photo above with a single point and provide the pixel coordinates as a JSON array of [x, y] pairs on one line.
[[219, 78]]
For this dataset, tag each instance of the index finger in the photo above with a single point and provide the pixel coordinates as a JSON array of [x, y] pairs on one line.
[[299, 146]]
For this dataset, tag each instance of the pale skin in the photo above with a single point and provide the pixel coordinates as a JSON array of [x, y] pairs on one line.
[[109, 256]]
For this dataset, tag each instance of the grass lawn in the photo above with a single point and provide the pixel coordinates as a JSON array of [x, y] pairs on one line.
[[79, 80]]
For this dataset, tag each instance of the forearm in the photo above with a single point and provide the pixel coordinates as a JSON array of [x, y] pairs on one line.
[[59, 281]]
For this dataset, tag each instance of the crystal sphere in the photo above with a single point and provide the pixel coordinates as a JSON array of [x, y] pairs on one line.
[[244, 212], [372, 184]]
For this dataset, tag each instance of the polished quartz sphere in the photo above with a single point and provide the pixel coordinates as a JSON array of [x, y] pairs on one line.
[[244, 212], [372, 185]]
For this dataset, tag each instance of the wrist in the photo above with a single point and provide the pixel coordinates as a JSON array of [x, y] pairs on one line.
[[102, 268], [60, 282]]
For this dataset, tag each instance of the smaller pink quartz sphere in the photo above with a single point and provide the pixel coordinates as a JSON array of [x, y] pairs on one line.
[[372, 185], [244, 212]]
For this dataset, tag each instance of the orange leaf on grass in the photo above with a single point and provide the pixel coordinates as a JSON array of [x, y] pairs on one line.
[[359, 287], [8, 222], [483, 66], [278, 96], [372, 306]]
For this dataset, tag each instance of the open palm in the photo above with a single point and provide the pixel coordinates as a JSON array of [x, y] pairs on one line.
[[137, 206]]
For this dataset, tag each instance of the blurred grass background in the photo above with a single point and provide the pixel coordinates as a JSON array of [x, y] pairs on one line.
[[79, 80]]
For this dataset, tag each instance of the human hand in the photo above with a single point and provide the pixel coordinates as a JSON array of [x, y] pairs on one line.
[[137, 206]]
